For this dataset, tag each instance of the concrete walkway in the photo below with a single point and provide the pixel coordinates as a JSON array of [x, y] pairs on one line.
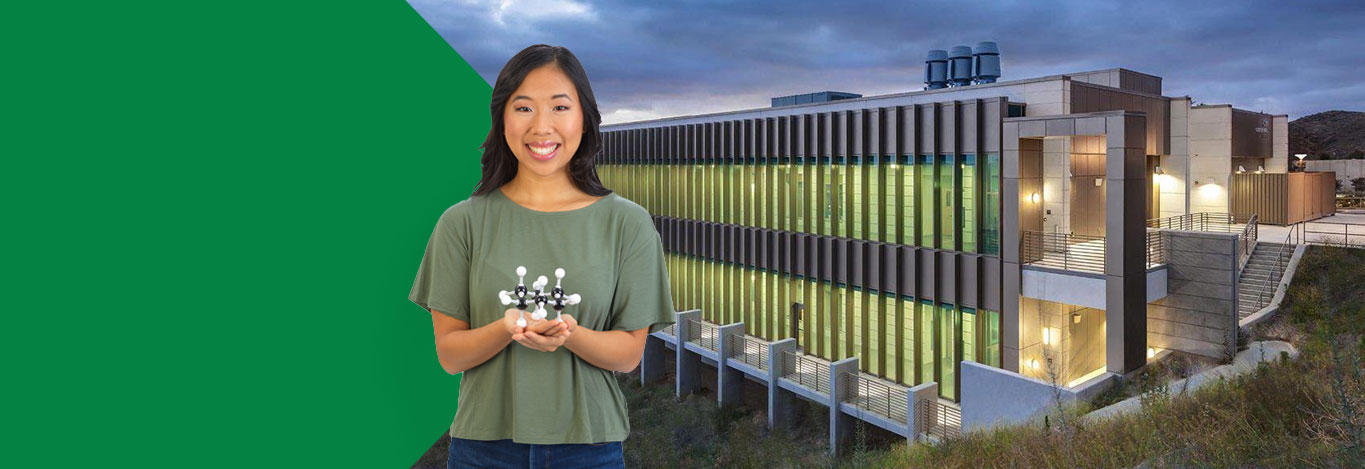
[[1244, 362], [1325, 228]]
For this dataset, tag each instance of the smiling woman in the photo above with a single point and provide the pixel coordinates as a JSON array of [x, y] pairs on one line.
[[552, 393]]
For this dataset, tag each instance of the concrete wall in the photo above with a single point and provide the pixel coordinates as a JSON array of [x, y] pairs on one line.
[[1199, 314], [1279, 145], [1346, 169], [1173, 185], [991, 396], [1210, 147]]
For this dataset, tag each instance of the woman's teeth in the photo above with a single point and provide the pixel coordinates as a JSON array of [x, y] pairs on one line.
[[543, 151]]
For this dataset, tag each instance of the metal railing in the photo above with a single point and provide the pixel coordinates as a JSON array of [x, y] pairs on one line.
[[702, 333], [1271, 282], [1201, 221], [1246, 227], [876, 396], [1329, 233], [1156, 248], [806, 371], [1246, 241], [671, 330], [1063, 251], [938, 419], [749, 350]]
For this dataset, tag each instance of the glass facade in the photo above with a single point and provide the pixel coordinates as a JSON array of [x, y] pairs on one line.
[[938, 201]]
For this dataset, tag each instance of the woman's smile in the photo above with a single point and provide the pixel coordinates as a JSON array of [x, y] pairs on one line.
[[543, 151]]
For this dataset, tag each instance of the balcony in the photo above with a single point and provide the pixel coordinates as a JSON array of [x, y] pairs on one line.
[[1069, 268]]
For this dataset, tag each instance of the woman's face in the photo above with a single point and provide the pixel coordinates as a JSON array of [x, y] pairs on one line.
[[543, 123]]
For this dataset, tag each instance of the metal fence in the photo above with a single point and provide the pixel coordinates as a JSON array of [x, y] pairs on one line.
[[1201, 221], [702, 333], [1063, 251], [749, 350], [806, 371], [938, 419], [876, 396], [1331, 233], [671, 330], [1156, 248]]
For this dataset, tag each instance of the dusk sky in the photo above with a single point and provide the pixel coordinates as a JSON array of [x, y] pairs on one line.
[[649, 60]]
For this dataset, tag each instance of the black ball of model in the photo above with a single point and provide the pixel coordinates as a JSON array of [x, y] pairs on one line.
[[523, 298]]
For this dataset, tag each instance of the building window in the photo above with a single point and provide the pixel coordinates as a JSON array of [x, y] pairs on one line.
[[947, 351], [925, 342], [927, 200], [968, 183], [990, 220], [946, 203]]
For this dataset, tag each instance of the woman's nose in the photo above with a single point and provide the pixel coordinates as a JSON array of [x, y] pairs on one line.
[[542, 124]]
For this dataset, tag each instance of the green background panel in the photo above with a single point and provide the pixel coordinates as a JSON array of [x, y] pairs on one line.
[[213, 214]]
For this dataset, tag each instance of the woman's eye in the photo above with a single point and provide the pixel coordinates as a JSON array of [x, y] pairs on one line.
[[561, 108]]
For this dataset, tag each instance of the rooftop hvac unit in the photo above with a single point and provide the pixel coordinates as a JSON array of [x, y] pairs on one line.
[[986, 62], [936, 69], [960, 66]]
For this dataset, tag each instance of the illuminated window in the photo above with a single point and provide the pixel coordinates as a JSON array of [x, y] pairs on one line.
[[927, 200], [947, 206], [968, 184]]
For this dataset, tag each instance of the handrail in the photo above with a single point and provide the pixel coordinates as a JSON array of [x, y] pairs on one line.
[[805, 371], [873, 395], [1246, 241], [1261, 302], [750, 350], [1064, 251]]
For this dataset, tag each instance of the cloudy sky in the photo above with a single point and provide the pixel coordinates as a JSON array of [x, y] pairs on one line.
[[648, 59]]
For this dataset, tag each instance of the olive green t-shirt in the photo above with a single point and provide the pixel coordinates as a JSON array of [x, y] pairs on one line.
[[612, 258]]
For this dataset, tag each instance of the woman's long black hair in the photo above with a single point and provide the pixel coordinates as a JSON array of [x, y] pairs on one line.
[[499, 163]]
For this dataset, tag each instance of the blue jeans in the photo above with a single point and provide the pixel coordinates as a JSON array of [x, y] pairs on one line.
[[506, 453]]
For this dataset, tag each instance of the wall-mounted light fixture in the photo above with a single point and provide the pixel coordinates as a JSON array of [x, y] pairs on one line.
[[1151, 352], [1033, 363], [1099, 181], [1033, 197], [1158, 171], [1051, 335], [1260, 169], [1241, 169], [1075, 318]]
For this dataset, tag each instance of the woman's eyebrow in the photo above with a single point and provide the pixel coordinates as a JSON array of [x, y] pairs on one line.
[[561, 95]]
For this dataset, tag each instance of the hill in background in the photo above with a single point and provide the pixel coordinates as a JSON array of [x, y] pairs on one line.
[[1329, 135]]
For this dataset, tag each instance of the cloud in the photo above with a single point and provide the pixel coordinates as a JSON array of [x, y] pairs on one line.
[[649, 60]]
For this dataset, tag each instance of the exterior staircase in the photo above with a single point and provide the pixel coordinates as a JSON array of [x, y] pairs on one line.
[[1257, 283]]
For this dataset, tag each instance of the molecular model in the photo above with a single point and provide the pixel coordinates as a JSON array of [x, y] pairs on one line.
[[523, 298]]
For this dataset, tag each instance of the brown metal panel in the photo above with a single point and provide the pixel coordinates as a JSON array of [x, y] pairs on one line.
[[906, 271], [891, 267], [946, 277], [927, 275], [872, 264], [841, 260], [968, 120], [927, 133], [890, 131], [855, 133], [990, 283], [968, 287], [872, 136], [947, 128], [839, 131], [826, 259], [856, 250]]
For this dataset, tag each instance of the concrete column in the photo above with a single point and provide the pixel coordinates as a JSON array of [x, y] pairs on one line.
[[685, 373], [1125, 264], [652, 362], [729, 381], [919, 426], [781, 402], [839, 422]]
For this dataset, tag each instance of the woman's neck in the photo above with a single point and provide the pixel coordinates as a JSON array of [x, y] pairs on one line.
[[553, 193]]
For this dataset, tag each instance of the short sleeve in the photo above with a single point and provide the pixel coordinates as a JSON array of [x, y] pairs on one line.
[[642, 299], [442, 282]]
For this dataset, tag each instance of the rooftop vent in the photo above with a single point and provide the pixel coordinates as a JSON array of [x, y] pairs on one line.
[[961, 66]]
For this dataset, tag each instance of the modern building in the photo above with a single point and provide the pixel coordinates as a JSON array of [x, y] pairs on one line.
[[981, 238]]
